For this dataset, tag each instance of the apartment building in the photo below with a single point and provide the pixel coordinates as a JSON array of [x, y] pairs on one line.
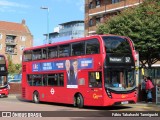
[[14, 37], [98, 11], [66, 31]]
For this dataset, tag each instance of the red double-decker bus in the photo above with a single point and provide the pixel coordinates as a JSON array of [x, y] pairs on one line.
[[3, 77], [92, 71]]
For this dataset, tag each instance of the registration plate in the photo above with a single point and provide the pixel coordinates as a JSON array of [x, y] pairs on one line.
[[124, 102]]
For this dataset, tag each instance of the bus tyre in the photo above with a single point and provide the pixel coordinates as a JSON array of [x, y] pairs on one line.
[[36, 97], [79, 101]]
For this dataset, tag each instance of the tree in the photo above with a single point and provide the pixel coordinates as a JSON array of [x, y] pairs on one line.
[[13, 68], [141, 24]]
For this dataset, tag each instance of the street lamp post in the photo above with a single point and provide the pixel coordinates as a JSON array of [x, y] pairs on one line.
[[46, 8]]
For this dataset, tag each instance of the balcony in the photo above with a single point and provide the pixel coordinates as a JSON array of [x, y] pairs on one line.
[[11, 50], [108, 8], [10, 42]]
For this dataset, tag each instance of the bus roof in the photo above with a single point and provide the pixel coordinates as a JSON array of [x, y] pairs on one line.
[[69, 41]]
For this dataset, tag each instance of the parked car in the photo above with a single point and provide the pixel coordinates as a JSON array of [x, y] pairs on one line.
[[14, 81]]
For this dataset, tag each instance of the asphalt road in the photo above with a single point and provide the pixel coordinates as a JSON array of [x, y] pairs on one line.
[[67, 112]]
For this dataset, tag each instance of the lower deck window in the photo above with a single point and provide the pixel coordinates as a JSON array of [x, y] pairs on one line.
[[95, 79], [46, 79]]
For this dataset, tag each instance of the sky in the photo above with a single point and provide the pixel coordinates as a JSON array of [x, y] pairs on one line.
[[60, 11]]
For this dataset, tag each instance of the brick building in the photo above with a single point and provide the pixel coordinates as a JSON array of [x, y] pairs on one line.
[[98, 11], [14, 37]]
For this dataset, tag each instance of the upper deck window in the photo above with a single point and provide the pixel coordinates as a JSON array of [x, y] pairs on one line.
[[115, 44], [64, 50], [52, 52], [37, 54], [92, 46], [78, 48], [27, 55]]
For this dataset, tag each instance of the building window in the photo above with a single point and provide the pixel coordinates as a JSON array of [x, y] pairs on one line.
[[1, 36], [98, 20], [90, 5], [10, 39], [97, 3], [10, 49], [91, 22], [23, 38], [22, 48], [115, 1]]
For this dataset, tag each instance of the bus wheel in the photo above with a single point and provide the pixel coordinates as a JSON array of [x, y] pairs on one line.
[[79, 101], [36, 97]]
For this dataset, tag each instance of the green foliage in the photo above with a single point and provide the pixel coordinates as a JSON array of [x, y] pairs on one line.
[[141, 24], [13, 68]]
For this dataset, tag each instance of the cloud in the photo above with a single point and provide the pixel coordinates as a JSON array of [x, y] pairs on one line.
[[12, 4], [7, 6]]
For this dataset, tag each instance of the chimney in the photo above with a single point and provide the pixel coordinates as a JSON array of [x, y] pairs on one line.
[[23, 22]]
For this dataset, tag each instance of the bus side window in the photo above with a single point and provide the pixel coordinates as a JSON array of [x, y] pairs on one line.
[[37, 80], [44, 53], [64, 50], [45, 80], [55, 80], [50, 79], [95, 79], [78, 49], [29, 79], [61, 79], [27, 55], [52, 52], [92, 46], [37, 54]]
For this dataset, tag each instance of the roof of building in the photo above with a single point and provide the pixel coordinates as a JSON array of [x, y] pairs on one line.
[[75, 21], [11, 26]]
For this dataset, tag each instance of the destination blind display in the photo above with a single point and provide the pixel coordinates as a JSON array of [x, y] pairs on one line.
[[119, 59]]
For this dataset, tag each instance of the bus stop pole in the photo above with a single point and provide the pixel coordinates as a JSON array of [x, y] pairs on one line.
[[137, 70]]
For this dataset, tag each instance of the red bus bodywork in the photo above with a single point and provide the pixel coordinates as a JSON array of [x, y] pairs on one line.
[[92, 96], [3, 76]]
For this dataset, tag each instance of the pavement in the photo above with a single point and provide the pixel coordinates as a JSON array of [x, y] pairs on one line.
[[139, 106]]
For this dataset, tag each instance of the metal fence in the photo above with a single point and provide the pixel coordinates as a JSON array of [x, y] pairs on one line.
[[157, 94]]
